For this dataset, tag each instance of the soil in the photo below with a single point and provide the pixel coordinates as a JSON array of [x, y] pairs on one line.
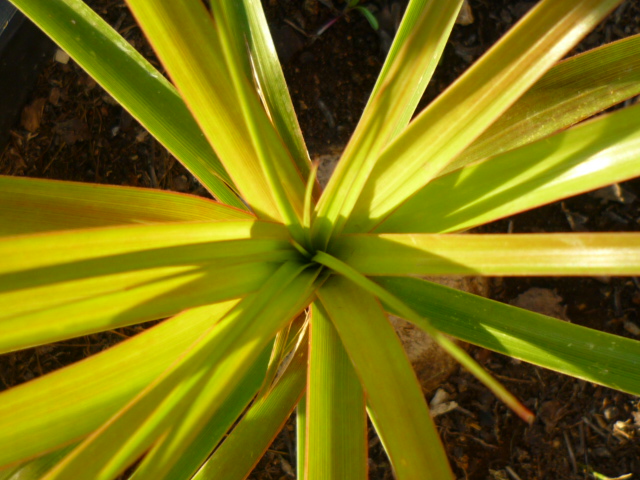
[[72, 130]]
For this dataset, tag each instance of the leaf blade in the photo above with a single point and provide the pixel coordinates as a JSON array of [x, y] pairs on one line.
[[394, 396], [273, 85], [163, 462], [420, 43], [408, 313], [567, 348], [135, 83], [259, 425], [29, 205], [573, 90], [597, 153], [82, 396], [491, 254], [192, 49], [99, 279], [232, 344], [473, 103], [336, 437]]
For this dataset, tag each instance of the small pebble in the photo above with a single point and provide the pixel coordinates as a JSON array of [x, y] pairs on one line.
[[611, 413], [61, 56], [465, 16], [632, 328]]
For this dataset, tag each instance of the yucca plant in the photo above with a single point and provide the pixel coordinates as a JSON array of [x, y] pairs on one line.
[[277, 294]]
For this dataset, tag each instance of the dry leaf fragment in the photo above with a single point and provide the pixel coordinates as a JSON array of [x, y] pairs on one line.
[[72, 131], [542, 300], [32, 115]]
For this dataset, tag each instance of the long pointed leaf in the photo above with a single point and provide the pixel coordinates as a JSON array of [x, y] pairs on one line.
[[473, 103], [29, 205], [581, 352], [273, 85], [93, 280], [195, 452], [336, 444], [28, 252], [522, 254], [70, 403], [405, 45], [573, 90], [135, 83], [242, 449], [301, 437], [196, 384], [122, 304], [594, 154], [394, 395], [408, 313], [388, 110], [198, 68], [285, 185]]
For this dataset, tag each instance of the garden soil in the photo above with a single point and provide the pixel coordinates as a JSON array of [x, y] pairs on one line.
[[72, 130]]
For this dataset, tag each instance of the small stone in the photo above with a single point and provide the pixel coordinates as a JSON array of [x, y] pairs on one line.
[[61, 56], [443, 408], [181, 183], [441, 396], [611, 413], [465, 16], [142, 136], [631, 327]]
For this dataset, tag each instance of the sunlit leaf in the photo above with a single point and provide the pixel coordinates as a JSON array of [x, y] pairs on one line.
[[497, 254], [92, 280], [594, 356], [394, 396], [66, 405], [30, 205], [594, 154], [406, 312], [164, 462], [424, 34], [273, 86], [245, 444], [573, 90], [336, 439], [196, 385], [134, 82], [198, 68], [478, 98]]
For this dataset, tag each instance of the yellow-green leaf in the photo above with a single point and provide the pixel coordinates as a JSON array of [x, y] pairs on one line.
[[336, 439], [594, 154], [392, 103], [573, 90], [30, 205], [592, 355], [399, 410], [491, 254], [134, 82], [479, 97], [67, 404], [249, 439]]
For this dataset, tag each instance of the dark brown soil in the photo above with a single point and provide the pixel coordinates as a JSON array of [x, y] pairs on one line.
[[73, 130]]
